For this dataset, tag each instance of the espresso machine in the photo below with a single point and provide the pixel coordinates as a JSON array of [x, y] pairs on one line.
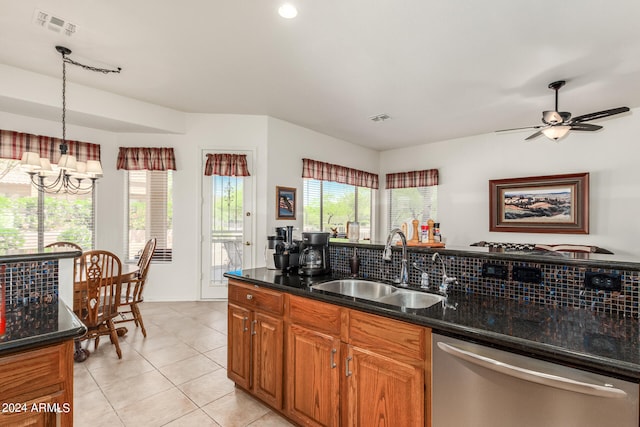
[[314, 254]]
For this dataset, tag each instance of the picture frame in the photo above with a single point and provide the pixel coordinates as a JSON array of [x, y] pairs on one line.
[[286, 203], [540, 204]]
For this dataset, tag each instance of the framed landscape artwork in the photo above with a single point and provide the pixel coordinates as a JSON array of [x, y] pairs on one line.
[[540, 204], [285, 203]]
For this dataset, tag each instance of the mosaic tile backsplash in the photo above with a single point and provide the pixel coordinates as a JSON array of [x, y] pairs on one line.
[[560, 285], [29, 282]]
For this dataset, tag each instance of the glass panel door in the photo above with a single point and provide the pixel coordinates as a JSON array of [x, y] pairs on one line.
[[227, 231]]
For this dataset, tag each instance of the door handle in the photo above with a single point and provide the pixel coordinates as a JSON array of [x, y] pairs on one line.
[[333, 360], [347, 372], [533, 376], [247, 243]]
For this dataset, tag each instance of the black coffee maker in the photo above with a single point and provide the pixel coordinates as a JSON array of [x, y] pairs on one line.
[[314, 254]]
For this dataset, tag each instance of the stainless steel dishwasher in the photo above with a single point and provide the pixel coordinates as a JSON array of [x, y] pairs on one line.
[[478, 386]]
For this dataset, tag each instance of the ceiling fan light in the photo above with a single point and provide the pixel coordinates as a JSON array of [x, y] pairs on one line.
[[556, 132]]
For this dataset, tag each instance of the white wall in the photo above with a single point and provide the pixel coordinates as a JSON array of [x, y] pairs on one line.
[[288, 145], [466, 165]]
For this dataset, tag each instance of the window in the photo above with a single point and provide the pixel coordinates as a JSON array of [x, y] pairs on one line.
[[328, 206], [150, 213], [407, 204], [27, 224]]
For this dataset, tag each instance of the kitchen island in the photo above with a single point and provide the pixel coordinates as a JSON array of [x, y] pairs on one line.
[[550, 315], [36, 341]]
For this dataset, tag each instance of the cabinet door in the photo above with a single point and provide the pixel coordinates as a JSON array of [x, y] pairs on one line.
[[268, 343], [239, 345], [313, 377], [382, 391]]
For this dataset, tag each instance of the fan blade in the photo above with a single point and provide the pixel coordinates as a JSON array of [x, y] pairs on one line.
[[585, 126], [527, 127], [599, 114], [535, 135]]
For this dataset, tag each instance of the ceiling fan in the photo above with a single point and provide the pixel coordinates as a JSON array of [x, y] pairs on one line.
[[558, 123]]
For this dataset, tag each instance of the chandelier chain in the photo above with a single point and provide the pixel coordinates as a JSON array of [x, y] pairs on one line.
[[91, 68]]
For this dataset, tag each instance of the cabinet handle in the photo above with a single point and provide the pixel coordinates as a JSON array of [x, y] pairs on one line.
[[253, 327], [244, 324], [333, 360], [249, 296], [347, 371]]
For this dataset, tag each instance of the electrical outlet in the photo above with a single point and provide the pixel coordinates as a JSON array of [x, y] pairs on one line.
[[526, 274], [602, 281], [494, 270]]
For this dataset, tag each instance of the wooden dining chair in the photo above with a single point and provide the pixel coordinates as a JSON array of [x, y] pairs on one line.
[[132, 291], [64, 245], [98, 285]]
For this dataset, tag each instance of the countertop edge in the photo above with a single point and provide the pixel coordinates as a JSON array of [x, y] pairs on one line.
[[41, 256]]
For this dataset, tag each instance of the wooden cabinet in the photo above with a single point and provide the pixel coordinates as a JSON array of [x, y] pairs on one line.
[[346, 367], [255, 348], [343, 366], [385, 372], [37, 386], [313, 362]]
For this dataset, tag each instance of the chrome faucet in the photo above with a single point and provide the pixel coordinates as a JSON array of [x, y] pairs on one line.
[[386, 255], [446, 281]]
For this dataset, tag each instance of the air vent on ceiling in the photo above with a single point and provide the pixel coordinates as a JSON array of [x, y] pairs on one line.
[[380, 117], [54, 23]]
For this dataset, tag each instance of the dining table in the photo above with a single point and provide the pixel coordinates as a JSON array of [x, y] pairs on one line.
[[127, 273]]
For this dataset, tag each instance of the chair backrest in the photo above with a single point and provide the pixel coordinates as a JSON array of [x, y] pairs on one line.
[[234, 252], [99, 285], [145, 258], [64, 245]]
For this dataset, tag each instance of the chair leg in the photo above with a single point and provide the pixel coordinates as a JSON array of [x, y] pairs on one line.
[[138, 318], [114, 337]]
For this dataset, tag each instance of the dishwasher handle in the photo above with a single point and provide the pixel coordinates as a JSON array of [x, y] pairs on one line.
[[533, 376]]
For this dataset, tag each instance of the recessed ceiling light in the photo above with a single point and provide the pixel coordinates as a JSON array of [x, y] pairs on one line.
[[288, 11]]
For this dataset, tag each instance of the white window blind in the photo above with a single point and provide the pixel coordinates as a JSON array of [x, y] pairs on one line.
[[24, 222], [330, 205], [150, 213], [407, 204]]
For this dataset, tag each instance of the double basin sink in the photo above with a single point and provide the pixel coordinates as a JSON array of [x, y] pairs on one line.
[[380, 292]]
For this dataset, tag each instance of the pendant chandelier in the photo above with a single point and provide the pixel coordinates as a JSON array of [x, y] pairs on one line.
[[69, 175]]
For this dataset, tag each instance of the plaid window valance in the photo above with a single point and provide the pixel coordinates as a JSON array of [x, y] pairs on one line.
[[329, 172], [146, 158], [226, 164], [424, 178], [14, 144]]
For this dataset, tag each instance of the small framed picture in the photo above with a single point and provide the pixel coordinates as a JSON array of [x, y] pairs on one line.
[[540, 204], [285, 203]]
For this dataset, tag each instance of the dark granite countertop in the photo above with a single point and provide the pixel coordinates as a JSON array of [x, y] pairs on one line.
[[39, 324], [579, 338]]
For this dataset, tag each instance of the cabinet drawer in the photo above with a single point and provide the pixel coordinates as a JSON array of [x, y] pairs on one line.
[[318, 315], [22, 373], [389, 337], [256, 298]]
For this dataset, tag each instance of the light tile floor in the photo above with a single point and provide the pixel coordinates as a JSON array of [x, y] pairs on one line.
[[174, 377]]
